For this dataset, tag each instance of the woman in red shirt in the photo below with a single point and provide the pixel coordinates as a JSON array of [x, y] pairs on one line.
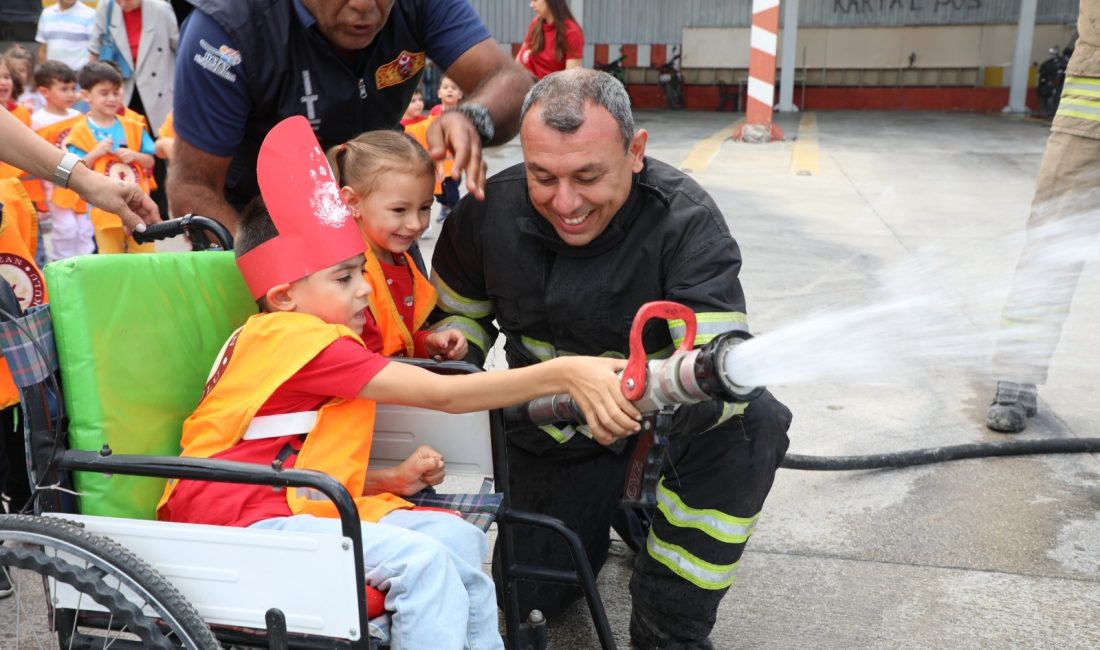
[[546, 48]]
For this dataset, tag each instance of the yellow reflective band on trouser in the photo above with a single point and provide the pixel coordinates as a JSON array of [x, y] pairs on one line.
[[565, 434], [729, 410], [1080, 99], [716, 524], [454, 303], [541, 350], [473, 332], [709, 324], [698, 572]]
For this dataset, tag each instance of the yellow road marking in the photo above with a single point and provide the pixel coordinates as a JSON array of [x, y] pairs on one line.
[[698, 159], [804, 159]]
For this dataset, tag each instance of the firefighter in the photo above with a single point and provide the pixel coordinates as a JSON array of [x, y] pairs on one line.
[[1063, 214], [563, 251]]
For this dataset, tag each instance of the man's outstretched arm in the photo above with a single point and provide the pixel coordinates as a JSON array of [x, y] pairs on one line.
[[196, 184]]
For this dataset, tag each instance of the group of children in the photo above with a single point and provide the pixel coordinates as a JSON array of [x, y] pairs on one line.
[[111, 138], [323, 251]]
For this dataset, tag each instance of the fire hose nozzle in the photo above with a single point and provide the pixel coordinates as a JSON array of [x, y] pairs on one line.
[[686, 377]]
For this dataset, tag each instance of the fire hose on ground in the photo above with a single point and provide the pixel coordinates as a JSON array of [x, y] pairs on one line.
[[692, 375]]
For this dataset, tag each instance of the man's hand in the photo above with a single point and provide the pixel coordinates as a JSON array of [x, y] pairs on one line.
[[446, 344], [489, 77], [453, 132], [595, 387]]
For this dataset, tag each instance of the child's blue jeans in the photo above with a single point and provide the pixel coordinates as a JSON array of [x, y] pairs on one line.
[[429, 565]]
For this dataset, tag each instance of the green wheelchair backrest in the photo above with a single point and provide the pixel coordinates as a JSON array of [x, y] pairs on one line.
[[136, 336]]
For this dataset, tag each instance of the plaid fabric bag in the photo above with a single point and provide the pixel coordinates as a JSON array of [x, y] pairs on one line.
[[479, 509], [28, 346]]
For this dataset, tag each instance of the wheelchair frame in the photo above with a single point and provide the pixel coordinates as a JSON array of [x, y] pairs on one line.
[[41, 431]]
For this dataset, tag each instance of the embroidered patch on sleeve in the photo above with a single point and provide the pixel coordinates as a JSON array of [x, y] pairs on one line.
[[218, 60], [400, 70]]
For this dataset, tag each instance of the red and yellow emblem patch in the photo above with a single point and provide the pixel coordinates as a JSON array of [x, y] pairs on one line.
[[400, 70]]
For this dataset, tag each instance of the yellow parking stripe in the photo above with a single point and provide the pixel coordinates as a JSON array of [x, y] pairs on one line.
[[804, 159], [698, 159]]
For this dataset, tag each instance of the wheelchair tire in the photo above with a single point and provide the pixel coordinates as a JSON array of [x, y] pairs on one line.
[[101, 571]]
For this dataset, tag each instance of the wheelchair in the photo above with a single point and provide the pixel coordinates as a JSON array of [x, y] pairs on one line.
[[107, 373]]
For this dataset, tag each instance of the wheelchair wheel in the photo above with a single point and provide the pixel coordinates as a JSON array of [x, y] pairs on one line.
[[87, 591]]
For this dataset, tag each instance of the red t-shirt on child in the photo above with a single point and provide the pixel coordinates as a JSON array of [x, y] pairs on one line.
[[340, 370]]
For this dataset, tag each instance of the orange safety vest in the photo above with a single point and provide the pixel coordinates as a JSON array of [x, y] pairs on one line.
[[396, 338], [23, 114], [18, 237], [55, 134], [109, 164], [168, 129], [419, 132], [259, 358]]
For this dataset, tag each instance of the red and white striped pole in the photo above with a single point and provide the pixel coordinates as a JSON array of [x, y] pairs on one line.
[[758, 126]]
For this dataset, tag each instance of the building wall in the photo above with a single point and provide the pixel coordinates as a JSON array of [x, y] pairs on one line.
[[951, 46], [663, 21]]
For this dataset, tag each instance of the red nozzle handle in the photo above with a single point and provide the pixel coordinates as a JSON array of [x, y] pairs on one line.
[[634, 377]]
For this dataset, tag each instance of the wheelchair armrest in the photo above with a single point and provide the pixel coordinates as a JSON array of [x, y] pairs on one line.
[[440, 367]]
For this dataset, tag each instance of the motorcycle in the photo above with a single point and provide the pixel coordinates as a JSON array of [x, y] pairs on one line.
[[1052, 76], [615, 68], [672, 83]]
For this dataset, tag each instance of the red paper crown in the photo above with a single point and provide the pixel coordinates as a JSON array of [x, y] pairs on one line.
[[316, 229]]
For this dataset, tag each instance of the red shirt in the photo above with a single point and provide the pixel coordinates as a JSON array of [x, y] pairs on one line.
[[340, 370], [407, 121], [132, 19], [544, 62]]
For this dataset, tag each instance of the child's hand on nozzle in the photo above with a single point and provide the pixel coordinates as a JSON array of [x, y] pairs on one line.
[[423, 468], [446, 344], [594, 384]]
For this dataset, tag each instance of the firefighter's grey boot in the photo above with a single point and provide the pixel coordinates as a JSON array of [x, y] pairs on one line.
[[1013, 404]]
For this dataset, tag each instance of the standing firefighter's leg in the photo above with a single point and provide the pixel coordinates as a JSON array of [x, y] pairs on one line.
[[709, 499]]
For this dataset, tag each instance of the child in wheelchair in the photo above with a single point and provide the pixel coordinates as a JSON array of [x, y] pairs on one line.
[[296, 386], [386, 180]]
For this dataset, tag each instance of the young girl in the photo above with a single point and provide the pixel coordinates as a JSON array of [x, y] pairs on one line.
[[386, 179]]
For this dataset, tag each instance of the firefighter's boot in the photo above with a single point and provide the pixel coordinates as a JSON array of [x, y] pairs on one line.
[[1013, 404], [645, 636]]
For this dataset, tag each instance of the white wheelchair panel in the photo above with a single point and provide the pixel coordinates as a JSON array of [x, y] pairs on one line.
[[234, 575], [464, 439]]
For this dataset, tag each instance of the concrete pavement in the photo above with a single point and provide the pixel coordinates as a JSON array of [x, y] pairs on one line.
[[990, 553]]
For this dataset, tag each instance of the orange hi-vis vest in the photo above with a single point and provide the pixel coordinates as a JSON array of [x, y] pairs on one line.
[[419, 132], [22, 114], [108, 164], [396, 338], [55, 134], [18, 239], [259, 358]]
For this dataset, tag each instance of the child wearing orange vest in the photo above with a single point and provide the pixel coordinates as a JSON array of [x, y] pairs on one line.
[[72, 232], [386, 181], [118, 147], [297, 384], [18, 269]]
